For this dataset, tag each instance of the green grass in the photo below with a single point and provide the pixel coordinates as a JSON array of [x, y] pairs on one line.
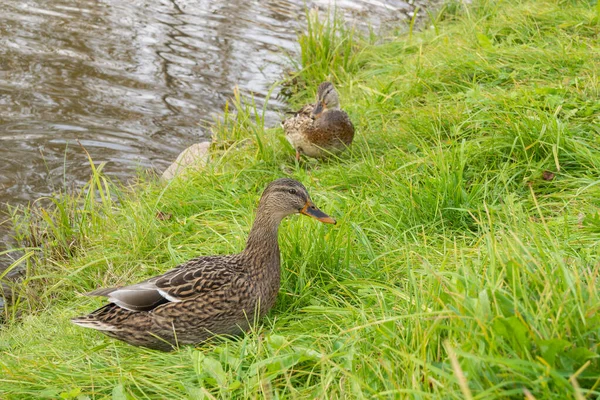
[[455, 270]]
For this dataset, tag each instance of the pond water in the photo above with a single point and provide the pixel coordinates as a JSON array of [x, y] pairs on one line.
[[133, 81]]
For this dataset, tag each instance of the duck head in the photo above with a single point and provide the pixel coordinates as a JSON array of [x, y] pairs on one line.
[[285, 196], [327, 99]]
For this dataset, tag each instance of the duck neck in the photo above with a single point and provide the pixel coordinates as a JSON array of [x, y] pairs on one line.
[[262, 244]]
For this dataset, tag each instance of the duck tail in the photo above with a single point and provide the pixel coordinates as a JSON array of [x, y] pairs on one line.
[[93, 321]]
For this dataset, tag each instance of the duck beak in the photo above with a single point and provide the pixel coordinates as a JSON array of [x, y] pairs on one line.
[[319, 108], [312, 211]]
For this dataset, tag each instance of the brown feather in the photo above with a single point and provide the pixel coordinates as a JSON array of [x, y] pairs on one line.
[[329, 132]]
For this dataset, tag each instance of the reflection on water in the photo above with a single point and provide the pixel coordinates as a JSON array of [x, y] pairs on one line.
[[133, 80]]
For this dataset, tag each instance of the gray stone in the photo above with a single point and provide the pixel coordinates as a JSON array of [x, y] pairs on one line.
[[194, 157]]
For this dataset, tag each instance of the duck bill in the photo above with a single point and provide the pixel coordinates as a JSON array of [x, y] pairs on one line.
[[313, 212], [319, 108]]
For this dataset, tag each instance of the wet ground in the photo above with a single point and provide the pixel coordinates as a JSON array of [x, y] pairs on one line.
[[133, 81]]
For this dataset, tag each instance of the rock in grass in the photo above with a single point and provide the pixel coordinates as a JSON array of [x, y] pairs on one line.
[[195, 156]]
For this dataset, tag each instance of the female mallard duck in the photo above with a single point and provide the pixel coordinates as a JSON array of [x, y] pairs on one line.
[[207, 295], [320, 129]]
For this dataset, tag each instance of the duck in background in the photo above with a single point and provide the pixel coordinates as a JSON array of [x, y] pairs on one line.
[[320, 129]]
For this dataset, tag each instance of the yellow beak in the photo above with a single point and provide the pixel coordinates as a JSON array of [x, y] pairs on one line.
[[312, 211]]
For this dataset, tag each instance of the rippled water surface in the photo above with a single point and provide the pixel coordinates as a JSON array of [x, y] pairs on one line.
[[133, 80]]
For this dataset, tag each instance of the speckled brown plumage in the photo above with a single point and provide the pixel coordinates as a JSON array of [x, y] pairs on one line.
[[206, 295], [320, 129]]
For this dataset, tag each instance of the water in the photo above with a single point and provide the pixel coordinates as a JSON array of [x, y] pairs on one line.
[[134, 80]]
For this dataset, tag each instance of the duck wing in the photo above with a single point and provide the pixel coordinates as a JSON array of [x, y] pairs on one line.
[[300, 117], [186, 281]]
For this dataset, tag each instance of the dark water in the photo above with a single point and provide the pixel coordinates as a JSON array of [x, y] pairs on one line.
[[133, 80]]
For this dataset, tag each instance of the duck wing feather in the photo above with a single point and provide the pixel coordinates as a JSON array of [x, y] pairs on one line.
[[194, 278]]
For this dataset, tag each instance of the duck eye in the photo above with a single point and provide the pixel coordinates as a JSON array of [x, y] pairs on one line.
[[292, 191]]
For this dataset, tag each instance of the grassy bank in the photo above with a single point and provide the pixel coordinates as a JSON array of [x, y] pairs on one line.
[[465, 262]]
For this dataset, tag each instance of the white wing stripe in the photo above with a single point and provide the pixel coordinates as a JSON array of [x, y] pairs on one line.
[[166, 296]]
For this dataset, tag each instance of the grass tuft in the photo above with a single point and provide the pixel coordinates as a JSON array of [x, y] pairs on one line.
[[328, 52]]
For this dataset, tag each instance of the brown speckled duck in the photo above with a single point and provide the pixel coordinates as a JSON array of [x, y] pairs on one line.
[[207, 295], [320, 129]]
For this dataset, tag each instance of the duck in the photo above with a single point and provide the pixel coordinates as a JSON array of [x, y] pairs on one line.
[[320, 129], [208, 295]]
